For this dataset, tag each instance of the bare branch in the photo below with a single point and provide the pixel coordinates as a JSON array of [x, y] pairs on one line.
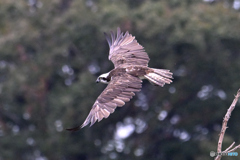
[[234, 148], [230, 147], [224, 127]]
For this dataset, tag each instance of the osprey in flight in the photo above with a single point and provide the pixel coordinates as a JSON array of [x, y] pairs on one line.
[[130, 67]]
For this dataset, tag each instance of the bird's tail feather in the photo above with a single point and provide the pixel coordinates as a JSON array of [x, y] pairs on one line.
[[159, 77]]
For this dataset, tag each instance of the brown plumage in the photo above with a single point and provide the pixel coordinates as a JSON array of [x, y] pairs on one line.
[[131, 66]]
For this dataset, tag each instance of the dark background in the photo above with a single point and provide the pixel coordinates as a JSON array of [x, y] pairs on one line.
[[51, 53]]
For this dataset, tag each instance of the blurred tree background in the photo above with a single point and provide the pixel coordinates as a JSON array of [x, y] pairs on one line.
[[51, 53]]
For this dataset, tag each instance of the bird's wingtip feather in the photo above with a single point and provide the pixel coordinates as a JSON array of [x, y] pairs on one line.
[[74, 129]]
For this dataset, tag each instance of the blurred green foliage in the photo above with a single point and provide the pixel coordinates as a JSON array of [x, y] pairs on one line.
[[51, 53]]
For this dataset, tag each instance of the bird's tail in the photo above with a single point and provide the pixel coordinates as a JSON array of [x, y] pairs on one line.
[[159, 77]]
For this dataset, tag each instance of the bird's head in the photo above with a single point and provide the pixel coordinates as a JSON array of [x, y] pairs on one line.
[[103, 78]]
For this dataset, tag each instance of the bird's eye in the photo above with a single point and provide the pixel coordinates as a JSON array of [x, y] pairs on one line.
[[104, 78]]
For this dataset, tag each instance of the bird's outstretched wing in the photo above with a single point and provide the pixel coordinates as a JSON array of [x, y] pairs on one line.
[[120, 90], [124, 49]]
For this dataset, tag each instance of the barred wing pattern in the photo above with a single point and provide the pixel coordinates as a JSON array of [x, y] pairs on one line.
[[120, 90], [125, 50]]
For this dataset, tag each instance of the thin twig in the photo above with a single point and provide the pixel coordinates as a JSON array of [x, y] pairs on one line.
[[230, 147], [234, 148], [224, 127]]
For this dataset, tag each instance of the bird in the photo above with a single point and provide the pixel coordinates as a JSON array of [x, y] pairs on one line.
[[130, 68]]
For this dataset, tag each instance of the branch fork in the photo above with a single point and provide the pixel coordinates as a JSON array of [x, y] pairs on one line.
[[224, 127]]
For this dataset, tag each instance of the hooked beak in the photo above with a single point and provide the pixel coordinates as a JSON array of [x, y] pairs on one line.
[[97, 81]]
